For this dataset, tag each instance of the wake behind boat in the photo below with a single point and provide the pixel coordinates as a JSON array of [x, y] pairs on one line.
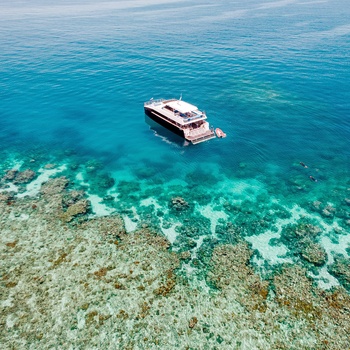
[[180, 117]]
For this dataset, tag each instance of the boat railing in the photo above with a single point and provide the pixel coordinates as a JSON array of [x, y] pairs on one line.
[[191, 119], [203, 137], [152, 101]]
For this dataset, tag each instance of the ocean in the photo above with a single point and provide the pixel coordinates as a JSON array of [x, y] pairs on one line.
[[273, 75]]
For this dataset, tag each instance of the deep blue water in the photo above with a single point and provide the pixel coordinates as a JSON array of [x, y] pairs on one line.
[[274, 75]]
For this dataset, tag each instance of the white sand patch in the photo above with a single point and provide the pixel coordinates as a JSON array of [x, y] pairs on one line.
[[99, 208], [150, 201], [332, 248], [199, 243], [97, 205], [21, 217], [80, 178], [188, 268], [272, 254], [324, 279], [275, 254], [213, 215], [112, 192], [7, 302], [129, 224], [33, 187], [298, 212], [11, 320], [16, 165], [81, 319], [170, 233], [134, 211], [328, 228], [11, 188]]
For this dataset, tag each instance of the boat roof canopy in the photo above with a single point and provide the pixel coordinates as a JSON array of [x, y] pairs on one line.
[[182, 106]]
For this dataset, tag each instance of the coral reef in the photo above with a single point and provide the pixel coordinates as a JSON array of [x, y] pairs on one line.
[[313, 252], [54, 186], [178, 204], [80, 207], [24, 176], [341, 269], [72, 280], [301, 230], [18, 177], [301, 239], [10, 175]]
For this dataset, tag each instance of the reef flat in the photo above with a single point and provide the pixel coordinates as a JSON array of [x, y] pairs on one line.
[[71, 279]]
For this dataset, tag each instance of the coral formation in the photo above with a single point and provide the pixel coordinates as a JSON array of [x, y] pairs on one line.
[[18, 177], [313, 252], [24, 176], [341, 269], [73, 280], [80, 207], [178, 204]]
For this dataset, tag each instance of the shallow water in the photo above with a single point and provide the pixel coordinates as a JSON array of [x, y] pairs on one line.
[[273, 75]]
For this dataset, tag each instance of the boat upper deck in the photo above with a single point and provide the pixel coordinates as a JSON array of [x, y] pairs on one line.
[[179, 111]]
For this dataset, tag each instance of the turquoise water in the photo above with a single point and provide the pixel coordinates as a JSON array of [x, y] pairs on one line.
[[275, 76]]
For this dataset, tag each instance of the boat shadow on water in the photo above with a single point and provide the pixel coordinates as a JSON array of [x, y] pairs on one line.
[[166, 135]]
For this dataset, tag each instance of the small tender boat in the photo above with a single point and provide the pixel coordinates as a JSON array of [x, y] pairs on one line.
[[220, 133]]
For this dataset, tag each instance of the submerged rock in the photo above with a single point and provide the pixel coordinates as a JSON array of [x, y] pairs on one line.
[[313, 252], [24, 176], [10, 175], [193, 321], [316, 205], [328, 211], [50, 166], [178, 204]]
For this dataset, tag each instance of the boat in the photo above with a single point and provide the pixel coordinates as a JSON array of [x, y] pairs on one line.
[[219, 133], [180, 117]]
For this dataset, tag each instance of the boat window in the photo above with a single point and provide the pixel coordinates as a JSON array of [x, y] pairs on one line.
[[169, 108]]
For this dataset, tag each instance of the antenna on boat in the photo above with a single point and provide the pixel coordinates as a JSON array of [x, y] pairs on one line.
[[180, 97]]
